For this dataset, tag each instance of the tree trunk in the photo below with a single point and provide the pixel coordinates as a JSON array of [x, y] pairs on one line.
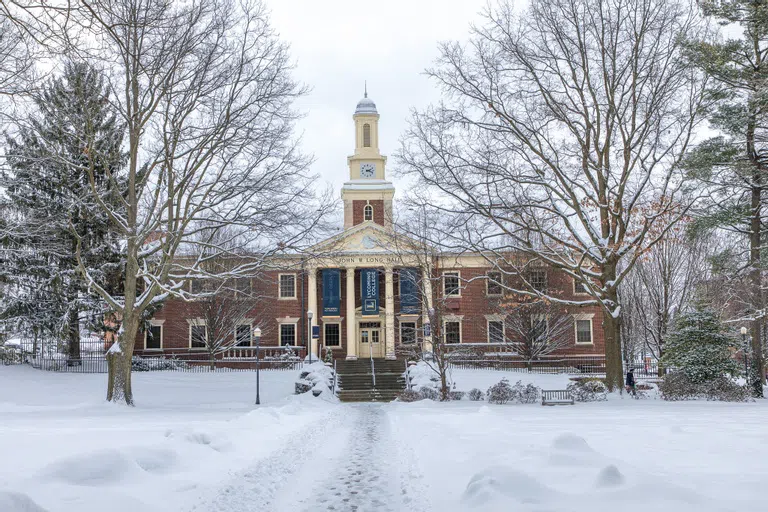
[[614, 374], [212, 361], [74, 336], [119, 363]]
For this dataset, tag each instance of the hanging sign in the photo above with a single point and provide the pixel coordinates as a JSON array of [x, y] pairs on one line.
[[369, 291], [331, 292], [315, 332], [409, 291]]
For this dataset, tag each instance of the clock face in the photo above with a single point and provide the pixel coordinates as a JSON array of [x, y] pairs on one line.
[[367, 170]]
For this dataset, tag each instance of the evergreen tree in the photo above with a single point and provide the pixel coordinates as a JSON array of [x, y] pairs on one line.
[[733, 165], [69, 146], [701, 347]]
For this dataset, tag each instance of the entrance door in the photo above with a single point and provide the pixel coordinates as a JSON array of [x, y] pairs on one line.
[[370, 340]]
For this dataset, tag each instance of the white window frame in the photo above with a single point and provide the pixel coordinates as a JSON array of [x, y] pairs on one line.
[[155, 323], [325, 334], [280, 286], [585, 317], [500, 283], [250, 335], [488, 330], [453, 318], [415, 331], [197, 322], [280, 334], [458, 284], [546, 279], [367, 208]]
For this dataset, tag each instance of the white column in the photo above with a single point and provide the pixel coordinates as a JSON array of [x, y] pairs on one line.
[[312, 306], [426, 288], [351, 323], [389, 298]]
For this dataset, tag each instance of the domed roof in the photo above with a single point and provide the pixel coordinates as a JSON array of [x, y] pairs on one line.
[[366, 105]]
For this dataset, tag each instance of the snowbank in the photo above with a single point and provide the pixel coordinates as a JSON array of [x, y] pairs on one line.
[[318, 378]]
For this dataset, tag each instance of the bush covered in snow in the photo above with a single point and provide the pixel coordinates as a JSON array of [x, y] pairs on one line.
[[528, 394], [500, 393], [588, 390], [148, 364], [476, 395], [315, 377], [429, 393], [10, 355], [409, 395], [677, 386], [421, 377], [457, 395], [701, 348]]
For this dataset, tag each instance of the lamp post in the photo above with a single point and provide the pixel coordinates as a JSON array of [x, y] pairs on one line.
[[309, 338], [257, 337], [744, 349]]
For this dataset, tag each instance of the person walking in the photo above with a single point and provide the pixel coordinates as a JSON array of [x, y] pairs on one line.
[[630, 382]]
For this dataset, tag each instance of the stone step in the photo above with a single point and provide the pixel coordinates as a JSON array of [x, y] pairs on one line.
[[368, 396]]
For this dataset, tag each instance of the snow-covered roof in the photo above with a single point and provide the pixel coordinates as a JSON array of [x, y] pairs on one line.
[[366, 106]]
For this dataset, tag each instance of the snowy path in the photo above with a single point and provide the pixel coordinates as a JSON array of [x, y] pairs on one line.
[[352, 464]]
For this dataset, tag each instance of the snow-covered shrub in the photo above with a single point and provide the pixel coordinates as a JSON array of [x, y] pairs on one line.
[[328, 358], [528, 394], [316, 377], [429, 393], [409, 395], [588, 390], [701, 347], [456, 395], [501, 393], [476, 395], [10, 355], [677, 386], [421, 376], [148, 364], [287, 359]]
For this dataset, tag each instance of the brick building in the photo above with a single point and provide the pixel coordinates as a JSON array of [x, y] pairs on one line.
[[371, 290]]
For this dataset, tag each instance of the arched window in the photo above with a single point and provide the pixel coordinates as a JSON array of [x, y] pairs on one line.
[[368, 212], [366, 135]]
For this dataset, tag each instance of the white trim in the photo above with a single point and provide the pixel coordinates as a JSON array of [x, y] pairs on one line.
[[325, 343], [574, 287], [197, 322], [368, 207], [280, 334], [457, 273], [288, 320], [155, 323], [280, 286], [500, 283], [457, 319], [496, 317], [488, 329], [584, 318]]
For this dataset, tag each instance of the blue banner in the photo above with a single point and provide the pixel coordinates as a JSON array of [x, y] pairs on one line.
[[331, 292], [369, 291], [409, 291]]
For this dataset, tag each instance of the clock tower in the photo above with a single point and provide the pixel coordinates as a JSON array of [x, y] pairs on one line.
[[367, 195]]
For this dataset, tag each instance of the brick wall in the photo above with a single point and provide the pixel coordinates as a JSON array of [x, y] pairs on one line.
[[358, 214]]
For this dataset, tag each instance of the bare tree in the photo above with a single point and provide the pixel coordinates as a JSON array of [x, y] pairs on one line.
[[536, 329], [560, 136], [205, 91]]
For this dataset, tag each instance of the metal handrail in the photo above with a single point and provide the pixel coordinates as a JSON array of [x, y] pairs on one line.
[[407, 377], [335, 376], [373, 371]]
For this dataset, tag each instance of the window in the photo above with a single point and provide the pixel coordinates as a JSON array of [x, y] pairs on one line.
[[583, 331], [287, 286], [196, 286], [243, 285], [243, 335], [579, 287], [366, 135], [332, 335], [368, 212], [451, 284], [538, 280], [453, 332], [495, 331], [287, 334], [198, 334], [493, 284], [407, 332], [153, 338], [539, 329]]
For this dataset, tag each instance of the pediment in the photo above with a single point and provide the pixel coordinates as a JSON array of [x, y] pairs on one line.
[[366, 238]]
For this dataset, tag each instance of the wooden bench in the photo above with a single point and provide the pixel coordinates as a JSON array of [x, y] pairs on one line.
[[556, 397]]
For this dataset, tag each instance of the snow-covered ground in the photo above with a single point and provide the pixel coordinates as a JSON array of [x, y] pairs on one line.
[[196, 442]]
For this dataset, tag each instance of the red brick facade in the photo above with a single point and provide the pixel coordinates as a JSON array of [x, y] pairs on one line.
[[358, 211]]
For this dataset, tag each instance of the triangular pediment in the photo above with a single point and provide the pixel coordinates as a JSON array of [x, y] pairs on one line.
[[366, 238]]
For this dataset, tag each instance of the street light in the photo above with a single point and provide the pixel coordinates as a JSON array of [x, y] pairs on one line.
[[257, 337], [744, 341], [309, 339]]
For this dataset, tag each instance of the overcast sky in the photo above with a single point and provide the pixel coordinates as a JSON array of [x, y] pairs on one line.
[[338, 44]]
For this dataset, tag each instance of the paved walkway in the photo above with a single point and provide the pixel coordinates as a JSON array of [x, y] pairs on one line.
[[348, 462]]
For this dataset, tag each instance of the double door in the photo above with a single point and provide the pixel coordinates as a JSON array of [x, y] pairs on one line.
[[370, 342]]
